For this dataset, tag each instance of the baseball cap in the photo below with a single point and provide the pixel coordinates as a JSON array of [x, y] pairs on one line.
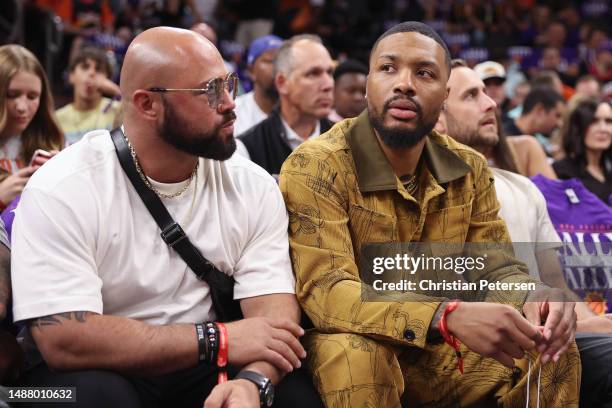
[[261, 45], [490, 69]]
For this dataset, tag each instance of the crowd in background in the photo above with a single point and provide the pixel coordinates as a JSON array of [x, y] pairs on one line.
[[568, 37], [547, 65], [516, 46]]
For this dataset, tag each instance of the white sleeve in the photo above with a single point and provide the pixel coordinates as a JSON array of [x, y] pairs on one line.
[[242, 150], [53, 266], [547, 235], [264, 266]]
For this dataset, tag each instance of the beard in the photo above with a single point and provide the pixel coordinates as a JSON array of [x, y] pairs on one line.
[[397, 137], [465, 132], [209, 145]]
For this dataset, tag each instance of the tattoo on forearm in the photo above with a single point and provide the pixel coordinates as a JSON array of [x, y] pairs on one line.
[[56, 319]]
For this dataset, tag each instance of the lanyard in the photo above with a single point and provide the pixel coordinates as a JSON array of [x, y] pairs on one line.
[[528, 385]]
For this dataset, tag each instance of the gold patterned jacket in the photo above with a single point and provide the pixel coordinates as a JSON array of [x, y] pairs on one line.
[[342, 193]]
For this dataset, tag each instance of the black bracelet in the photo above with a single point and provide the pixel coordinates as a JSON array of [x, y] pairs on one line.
[[202, 346], [212, 338]]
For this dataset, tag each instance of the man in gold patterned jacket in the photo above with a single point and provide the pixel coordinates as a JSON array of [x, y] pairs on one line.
[[387, 177]]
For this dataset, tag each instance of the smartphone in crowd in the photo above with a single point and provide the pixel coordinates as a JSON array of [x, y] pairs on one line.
[[39, 157]]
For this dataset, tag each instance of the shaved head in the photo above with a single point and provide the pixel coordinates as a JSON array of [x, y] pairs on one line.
[[180, 61], [162, 56]]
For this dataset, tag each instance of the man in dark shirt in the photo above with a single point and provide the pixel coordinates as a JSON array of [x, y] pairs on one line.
[[542, 113], [303, 77]]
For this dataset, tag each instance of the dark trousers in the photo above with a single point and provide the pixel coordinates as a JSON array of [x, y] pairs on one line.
[[596, 358], [187, 388]]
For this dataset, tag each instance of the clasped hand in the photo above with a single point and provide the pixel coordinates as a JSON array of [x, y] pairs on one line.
[[501, 332]]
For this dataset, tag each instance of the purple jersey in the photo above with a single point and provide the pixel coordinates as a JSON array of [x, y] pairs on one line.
[[584, 224], [8, 215]]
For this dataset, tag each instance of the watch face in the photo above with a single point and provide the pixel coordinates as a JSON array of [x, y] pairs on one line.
[[269, 395]]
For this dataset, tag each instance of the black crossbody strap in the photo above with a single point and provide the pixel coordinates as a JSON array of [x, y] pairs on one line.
[[171, 231]]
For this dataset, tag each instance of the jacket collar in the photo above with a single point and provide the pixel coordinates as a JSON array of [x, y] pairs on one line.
[[374, 173]]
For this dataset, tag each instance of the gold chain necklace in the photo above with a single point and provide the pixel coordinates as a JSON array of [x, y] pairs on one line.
[[148, 183], [410, 183]]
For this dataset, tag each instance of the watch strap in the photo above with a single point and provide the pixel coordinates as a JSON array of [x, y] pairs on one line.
[[262, 382]]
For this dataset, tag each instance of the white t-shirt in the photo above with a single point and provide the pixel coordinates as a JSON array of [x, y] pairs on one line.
[[248, 113], [84, 241], [523, 208]]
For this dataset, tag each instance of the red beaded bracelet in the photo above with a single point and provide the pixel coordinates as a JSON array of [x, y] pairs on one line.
[[223, 353], [449, 338]]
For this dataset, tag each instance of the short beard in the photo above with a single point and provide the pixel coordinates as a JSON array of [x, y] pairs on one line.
[[209, 145], [397, 138], [460, 131]]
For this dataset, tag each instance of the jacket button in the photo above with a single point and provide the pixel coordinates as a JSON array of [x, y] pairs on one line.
[[409, 335]]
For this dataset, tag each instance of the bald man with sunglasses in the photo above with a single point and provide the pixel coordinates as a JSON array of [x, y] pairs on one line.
[[112, 309]]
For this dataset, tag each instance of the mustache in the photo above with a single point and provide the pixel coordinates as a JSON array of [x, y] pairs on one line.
[[417, 106], [228, 117], [488, 118]]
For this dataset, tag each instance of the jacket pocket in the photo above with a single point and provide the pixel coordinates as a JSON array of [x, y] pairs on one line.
[[369, 226], [448, 224]]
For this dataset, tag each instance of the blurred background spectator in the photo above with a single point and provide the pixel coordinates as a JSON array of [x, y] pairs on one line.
[[90, 73], [254, 106], [518, 48], [587, 140], [349, 90], [493, 75], [568, 38], [27, 122], [588, 86], [303, 75], [541, 114]]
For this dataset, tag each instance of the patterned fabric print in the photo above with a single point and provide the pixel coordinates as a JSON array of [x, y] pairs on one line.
[[341, 193]]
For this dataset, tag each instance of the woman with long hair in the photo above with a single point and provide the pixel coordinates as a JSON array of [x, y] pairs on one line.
[[26, 119], [26, 125], [587, 140]]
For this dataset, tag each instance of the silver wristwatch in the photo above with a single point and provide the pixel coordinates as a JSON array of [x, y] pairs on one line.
[[266, 388]]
